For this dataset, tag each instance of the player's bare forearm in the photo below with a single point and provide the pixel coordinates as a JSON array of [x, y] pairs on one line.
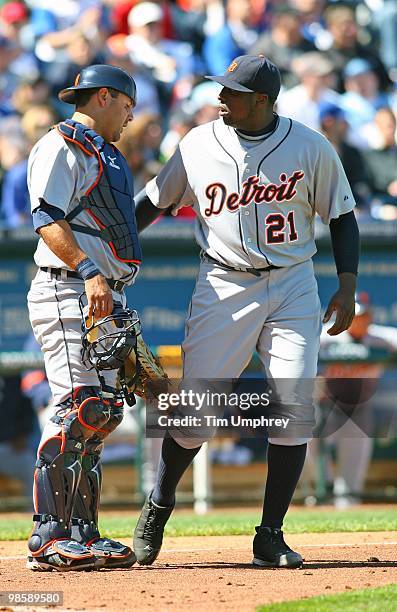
[[59, 237]]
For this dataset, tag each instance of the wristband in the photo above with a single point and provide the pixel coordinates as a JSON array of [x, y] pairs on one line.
[[87, 269]]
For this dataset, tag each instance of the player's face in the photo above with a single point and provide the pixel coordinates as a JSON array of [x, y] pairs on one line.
[[237, 108], [120, 113]]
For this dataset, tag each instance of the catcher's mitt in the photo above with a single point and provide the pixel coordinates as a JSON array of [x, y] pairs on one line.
[[143, 373], [115, 343]]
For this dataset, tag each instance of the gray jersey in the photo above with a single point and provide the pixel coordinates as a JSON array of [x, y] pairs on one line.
[[61, 174], [256, 199]]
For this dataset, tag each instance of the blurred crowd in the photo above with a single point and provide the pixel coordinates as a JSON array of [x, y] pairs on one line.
[[338, 62]]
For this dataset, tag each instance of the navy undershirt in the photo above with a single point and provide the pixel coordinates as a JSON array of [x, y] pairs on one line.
[[46, 214]]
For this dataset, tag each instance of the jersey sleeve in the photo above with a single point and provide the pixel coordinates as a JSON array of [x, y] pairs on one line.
[[52, 176], [171, 187], [332, 195]]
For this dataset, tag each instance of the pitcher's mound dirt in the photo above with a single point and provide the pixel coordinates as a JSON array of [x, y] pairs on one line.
[[209, 574]]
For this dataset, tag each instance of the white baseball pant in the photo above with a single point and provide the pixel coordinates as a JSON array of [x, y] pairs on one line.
[[233, 313]]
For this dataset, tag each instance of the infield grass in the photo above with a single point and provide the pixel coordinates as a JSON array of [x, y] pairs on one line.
[[370, 600], [241, 522]]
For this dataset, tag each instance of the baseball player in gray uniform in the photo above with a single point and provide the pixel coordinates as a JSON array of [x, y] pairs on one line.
[[256, 181], [347, 426], [82, 204]]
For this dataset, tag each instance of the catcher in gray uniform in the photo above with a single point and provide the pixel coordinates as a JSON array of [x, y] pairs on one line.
[[82, 203], [256, 181]]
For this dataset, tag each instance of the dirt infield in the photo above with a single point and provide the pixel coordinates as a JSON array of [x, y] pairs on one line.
[[213, 573]]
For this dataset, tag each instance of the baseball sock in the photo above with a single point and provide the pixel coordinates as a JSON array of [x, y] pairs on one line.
[[174, 461], [285, 464]]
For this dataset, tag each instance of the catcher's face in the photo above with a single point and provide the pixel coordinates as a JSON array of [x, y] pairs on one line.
[[238, 108], [119, 112]]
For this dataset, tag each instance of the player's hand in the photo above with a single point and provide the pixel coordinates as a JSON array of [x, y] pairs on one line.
[[99, 297], [342, 302]]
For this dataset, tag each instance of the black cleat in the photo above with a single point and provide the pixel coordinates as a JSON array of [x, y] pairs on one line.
[[270, 550], [148, 534]]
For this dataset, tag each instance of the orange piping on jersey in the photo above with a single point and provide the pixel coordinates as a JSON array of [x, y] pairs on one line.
[[82, 147]]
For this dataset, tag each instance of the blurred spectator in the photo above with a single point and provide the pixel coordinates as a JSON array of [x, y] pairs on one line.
[[34, 386], [18, 421], [119, 15], [201, 107], [203, 102], [13, 17], [140, 143], [348, 423], [168, 61], [37, 121], [382, 166], [283, 42], [302, 102], [234, 38], [193, 25], [334, 126], [342, 25], [312, 20], [181, 121], [17, 136], [386, 20], [117, 55], [30, 92], [75, 40], [15, 206], [15, 66], [362, 98], [80, 52]]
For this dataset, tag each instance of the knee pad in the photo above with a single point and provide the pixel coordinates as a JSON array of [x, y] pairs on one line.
[[88, 416], [94, 444]]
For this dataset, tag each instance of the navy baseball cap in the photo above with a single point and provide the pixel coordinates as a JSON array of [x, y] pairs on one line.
[[97, 76], [251, 73]]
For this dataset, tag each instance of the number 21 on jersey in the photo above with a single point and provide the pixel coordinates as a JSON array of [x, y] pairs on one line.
[[280, 228]]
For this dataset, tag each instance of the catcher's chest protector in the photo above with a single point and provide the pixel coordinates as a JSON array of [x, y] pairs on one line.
[[109, 200]]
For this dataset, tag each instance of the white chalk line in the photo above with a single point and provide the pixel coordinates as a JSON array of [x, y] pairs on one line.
[[187, 550]]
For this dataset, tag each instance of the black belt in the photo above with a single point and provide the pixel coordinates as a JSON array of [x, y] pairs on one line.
[[115, 285], [254, 271]]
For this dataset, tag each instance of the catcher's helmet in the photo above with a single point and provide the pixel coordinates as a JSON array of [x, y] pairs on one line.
[[107, 342], [100, 75]]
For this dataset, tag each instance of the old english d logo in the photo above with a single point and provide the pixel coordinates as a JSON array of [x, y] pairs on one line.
[[77, 79], [232, 67]]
